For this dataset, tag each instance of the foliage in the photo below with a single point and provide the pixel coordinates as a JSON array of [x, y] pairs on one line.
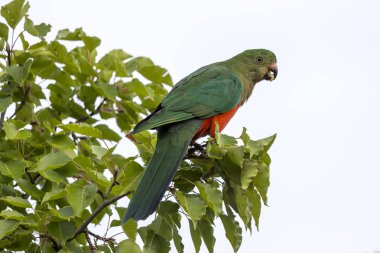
[[63, 109]]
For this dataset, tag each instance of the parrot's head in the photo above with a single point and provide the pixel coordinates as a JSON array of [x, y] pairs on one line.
[[261, 63]]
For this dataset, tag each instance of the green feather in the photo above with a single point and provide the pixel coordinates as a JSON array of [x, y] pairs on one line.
[[211, 90], [171, 147]]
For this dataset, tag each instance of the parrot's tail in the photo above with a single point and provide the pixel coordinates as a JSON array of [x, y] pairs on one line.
[[172, 143]]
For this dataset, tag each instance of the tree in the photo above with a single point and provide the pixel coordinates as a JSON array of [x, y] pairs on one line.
[[59, 171]]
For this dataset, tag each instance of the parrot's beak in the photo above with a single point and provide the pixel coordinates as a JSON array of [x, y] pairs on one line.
[[272, 72]]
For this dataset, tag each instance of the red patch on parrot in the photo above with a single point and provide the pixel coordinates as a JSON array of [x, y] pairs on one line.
[[208, 125]]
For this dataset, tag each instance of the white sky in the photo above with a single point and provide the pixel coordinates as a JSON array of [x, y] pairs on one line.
[[324, 104]]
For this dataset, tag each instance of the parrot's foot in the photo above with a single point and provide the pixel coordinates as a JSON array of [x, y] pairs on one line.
[[132, 138], [198, 146], [197, 151]]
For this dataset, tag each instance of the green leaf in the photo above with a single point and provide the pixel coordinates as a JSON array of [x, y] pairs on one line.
[[261, 181], [254, 197], [40, 30], [65, 34], [225, 140], [249, 171], [52, 176], [244, 136], [14, 11], [4, 31], [7, 227], [155, 243], [195, 236], [235, 155], [156, 74], [61, 230], [16, 201], [267, 142], [80, 195], [207, 233], [128, 246], [211, 195], [233, 231], [106, 90], [53, 195], [99, 151], [161, 227], [29, 188], [61, 141], [177, 239], [14, 169], [214, 151], [91, 42], [82, 128], [12, 133], [4, 103], [51, 161], [130, 228], [17, 73], [167, 207], [253, 148], [243, 204], [2, 44], [12, 215], [65, 213], [130, 177], [108, 133], [194, 205]]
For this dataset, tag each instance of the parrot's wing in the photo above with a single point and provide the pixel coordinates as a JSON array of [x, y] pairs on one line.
[[209, 91]]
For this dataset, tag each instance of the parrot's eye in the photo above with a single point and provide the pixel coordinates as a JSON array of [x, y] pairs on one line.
[[259, 59]]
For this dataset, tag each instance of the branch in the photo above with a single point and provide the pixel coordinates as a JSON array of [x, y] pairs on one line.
[[97, 110], [104, 239], [2, 117], [23, 102], [9, 62], [100, 208], [92, 247], [114, 182]]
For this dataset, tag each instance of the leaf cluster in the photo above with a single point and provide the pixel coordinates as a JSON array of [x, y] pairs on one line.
[[63, 110]]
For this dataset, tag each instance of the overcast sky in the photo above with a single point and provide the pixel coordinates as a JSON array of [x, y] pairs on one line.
[[324, 105]]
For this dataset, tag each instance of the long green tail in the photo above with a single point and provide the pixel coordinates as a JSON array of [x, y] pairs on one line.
[[172, 143]]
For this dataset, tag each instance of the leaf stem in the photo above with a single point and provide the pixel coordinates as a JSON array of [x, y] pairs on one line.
[[9, 63], [100, 208]]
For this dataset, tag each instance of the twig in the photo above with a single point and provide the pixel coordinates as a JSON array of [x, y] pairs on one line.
[[104, 239], [102, 205], [22, 103], [208, 173], [56, 245], [2, 117], [9, 62], [92, 247], [97, 110], [114, 182]]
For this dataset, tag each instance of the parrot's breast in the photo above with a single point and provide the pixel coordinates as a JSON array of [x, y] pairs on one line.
[[208, 125]]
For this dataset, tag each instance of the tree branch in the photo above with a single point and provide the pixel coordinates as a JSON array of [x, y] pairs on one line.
[[100, 208], [97, 110], [114, 182], [92, 247], [2, 117], [22, 103], [9, 62], [104, 239]]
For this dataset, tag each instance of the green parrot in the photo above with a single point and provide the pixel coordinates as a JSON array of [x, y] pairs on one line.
[[211, 94]]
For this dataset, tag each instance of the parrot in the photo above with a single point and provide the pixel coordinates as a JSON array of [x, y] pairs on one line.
[[208, 97]]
